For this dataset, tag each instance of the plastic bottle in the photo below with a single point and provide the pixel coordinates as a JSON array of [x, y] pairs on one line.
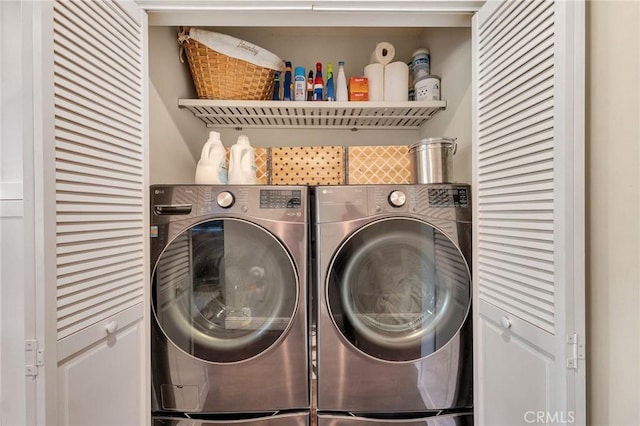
[[276, 86], [242, 165], [299, 85], [342, 94], [212, 166], [421, 61], [330, 90], [287, 82], [310, 86], [318, 84]]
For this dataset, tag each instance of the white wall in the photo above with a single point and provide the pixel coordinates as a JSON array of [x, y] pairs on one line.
[[12, 245], [613, 209]]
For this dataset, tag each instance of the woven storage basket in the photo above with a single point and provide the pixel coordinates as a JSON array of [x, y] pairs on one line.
[[218, 76]]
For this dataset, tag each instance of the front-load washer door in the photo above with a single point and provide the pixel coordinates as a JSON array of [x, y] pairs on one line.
[[398, 289], [225, 290]]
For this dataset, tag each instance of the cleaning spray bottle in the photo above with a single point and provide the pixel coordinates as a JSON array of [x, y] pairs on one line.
[[342, 93], [242, 165], [310, 86], [212, 166], [318, 84], [330, 87]]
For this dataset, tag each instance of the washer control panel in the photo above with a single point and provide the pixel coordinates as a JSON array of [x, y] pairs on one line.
[[449, 197], [280, 198], [179, 202]]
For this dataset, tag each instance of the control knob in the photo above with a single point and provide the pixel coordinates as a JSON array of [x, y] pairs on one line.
[[397, 198], [225, 199]]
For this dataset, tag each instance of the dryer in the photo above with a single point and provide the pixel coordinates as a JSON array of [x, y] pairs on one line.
[[393, 291], [229, 322]]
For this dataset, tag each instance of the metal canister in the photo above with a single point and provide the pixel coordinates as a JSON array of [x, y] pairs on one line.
[[432, 160], [428, 88]]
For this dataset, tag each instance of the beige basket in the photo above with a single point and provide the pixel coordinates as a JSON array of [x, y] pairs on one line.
[[218, 76]]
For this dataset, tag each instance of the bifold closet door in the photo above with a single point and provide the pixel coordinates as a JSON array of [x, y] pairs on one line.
[[529, 212], [98, 197]]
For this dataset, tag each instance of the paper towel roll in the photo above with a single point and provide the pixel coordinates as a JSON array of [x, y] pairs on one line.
[[375, 77], [396, 82], [383, 53]]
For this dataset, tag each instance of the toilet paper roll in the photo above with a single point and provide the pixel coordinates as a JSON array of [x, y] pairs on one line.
[[396, 82], [383, 53], [375, 77]]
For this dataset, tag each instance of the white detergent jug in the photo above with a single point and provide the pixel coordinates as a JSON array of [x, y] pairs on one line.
[[212, 166], [242, 165]]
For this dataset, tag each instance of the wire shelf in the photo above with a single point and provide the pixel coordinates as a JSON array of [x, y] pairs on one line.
[[309, 114]]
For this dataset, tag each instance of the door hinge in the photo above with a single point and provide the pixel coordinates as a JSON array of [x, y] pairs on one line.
[[34, 357], [576, 351]]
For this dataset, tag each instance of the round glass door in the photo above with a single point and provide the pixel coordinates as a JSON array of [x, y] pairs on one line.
[[398, 289], [225, 290]]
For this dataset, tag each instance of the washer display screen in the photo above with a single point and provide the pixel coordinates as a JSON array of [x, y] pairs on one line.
[[225, 290], [398, 289]]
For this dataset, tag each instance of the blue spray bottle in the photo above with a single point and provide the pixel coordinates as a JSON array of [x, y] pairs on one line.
[[330, 91]]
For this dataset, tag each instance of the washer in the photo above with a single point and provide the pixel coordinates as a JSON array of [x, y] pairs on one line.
[[394, 331], [229, 305]]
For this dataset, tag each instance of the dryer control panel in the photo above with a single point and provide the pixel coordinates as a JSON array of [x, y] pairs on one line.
[[170, 203]]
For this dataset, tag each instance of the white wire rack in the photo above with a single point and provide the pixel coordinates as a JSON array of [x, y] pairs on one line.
[[309, 114]]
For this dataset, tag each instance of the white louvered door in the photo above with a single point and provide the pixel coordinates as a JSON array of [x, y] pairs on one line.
[[529, 213], [100, 199]]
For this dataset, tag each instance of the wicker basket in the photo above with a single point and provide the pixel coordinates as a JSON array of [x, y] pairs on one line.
[[218, 76]]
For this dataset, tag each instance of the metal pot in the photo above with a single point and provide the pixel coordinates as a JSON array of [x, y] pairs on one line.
[[432, 160]]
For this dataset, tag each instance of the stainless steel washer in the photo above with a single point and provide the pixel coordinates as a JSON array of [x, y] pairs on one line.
[[393, 299], [229, 304]]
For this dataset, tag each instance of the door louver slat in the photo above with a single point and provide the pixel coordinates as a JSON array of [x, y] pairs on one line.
[[113, 279], [516, 35], [88, 81], [91, 124], [70, 177], [97, 44], [94, 148], [96, 189], [541, 70], [515, 206], [128, 127], [99, 163]]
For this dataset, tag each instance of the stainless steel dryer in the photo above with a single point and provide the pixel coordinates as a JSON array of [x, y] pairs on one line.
[[229, 305], [393, 297]]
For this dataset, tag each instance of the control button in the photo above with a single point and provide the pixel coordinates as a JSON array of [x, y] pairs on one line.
[[397, 198], [225, 199], [244, 208]]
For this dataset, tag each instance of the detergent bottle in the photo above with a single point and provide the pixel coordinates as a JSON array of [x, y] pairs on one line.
[[212, 166], [242, 165]]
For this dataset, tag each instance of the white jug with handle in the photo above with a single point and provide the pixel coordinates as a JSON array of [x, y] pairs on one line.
[[212, 166], [242, 165]]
